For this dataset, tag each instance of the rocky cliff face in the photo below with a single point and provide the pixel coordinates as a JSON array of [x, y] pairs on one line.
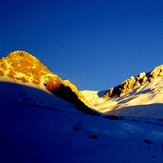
[[23, 68], [134, 82]]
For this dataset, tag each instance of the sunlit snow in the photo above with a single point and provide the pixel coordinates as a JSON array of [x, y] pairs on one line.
[[41, 128], [145, 101]]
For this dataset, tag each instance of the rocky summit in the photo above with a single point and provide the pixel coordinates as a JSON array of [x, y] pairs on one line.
[[134, 82], [23, 68]]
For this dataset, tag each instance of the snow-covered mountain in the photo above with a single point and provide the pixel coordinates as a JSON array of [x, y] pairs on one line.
[[23, 68], [36, 126], [140, 96]]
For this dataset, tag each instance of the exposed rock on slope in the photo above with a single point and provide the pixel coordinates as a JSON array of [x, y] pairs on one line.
[[134, 82], [145, 101], [23, 68]]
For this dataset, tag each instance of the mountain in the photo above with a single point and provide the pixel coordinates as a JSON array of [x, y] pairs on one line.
[[36, 126], [139, 96], [30, 133], [23, 68], [42, 119], [135, 82]]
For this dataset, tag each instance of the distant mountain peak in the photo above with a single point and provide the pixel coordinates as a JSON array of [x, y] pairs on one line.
[[138, 96], [134, 82]]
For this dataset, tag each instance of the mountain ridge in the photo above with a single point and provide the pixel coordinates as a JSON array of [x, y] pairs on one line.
[[127, 99], [38, 126], [134, 82], [139, 96], [23, 68]]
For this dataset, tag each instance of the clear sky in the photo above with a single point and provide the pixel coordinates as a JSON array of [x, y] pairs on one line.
[[96, 44]]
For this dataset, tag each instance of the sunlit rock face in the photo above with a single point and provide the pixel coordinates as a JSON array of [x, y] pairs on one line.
[[23, 68], [134, 82], [74, 89], [157, 72]]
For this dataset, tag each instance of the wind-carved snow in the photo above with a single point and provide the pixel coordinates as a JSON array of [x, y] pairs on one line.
[[145, 101]]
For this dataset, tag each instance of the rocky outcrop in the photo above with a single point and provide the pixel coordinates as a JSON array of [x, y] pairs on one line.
[[23, 68], [74, 89], [134, 82], [156, 72], [66, 93]]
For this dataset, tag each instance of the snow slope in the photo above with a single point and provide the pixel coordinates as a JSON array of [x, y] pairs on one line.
[[145, 101], [24, 95], [23, 68], [33, 131]]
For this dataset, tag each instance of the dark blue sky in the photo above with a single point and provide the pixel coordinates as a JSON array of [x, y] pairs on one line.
[[96, 44]]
